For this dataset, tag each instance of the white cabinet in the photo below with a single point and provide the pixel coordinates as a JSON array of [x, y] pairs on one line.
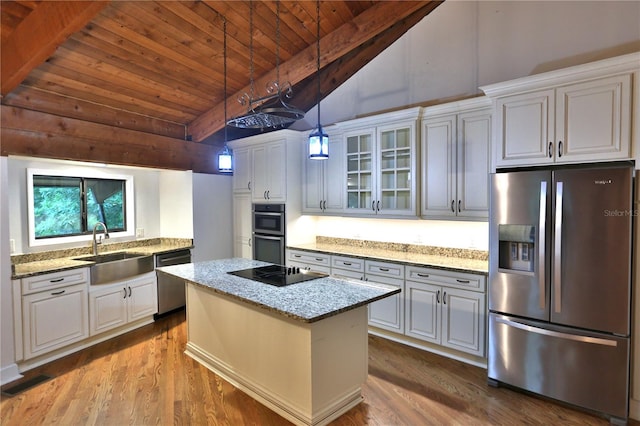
[[310, 260], [323, 180], [117, 304], [54, 311], [242, 226], [268, 182], [579, 114], [381, 164], [242, 169], [387, 313], [446, 308], [455, 150]]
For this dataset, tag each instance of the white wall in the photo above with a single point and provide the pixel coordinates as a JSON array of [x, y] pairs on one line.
[[212, 217], [8, 368], [466, 44], [176, 204]]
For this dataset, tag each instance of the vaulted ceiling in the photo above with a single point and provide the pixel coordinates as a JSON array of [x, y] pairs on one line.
[[143, 82]]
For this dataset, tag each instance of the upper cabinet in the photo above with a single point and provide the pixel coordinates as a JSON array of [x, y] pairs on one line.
[[455, 148], [381, 164], [575, 115], [260, 165], [324, 183]]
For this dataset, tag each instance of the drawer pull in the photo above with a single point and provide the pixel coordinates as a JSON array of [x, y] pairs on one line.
[[319, 259], [384, 269], [346, 263], [57, 280], [297, 255], [463, 281], [58, 293], [423, 275]]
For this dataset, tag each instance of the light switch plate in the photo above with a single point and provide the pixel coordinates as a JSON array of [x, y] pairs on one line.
[[139, 232]]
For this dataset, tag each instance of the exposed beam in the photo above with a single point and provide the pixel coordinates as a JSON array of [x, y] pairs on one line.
[[37, 134], [38, 36], [333, 46]]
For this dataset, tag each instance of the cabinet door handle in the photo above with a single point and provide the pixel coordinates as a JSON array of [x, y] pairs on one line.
[[444, 298], [320, 204], [550, 149], [324, 205], [463, 281], [129, 291], [249, 240], [373, 206], [453, 202], [249, 185], [560, 149], [423, 275], [459, 206], [58, 293], [378, 205], [264, 195], [438, 296], [125, 292], [268, 195], [57, 280]]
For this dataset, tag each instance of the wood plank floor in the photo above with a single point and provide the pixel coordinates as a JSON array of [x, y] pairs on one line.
[[144, 378]]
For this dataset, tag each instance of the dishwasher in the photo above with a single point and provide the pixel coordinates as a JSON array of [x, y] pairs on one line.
[[171, 292]]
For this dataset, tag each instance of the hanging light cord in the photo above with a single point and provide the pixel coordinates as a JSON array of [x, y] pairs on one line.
[[224, 26], [318, 55]]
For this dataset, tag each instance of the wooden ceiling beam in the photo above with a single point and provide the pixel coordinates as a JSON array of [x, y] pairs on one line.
[[38, 36], [333, 46]]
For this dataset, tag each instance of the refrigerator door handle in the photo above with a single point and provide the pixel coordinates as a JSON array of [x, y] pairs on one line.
[[546, 332], [557, 251], [541, 244]]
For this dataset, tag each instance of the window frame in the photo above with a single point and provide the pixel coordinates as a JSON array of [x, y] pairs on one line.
[[129, 205]]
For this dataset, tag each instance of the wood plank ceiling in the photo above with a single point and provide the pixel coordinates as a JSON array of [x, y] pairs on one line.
[[142, 82]]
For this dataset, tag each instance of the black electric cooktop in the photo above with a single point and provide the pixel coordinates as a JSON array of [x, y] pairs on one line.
[[278, 275]]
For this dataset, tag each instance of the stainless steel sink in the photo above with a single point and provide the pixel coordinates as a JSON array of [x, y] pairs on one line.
[[117, 266]]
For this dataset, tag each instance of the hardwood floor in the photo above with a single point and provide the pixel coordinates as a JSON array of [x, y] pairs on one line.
[[144, 378]]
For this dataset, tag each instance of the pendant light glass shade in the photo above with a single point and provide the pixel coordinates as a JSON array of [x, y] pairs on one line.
[[318, 144], [225, 160]]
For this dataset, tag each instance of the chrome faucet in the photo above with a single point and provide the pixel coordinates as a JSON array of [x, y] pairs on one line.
[[95, 243]]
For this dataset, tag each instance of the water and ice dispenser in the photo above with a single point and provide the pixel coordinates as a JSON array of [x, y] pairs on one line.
[[516, 247]]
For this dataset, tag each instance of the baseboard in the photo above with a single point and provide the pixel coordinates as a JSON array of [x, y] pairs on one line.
[[9, 374]]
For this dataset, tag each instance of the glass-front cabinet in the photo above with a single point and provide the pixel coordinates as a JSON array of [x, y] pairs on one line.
[[381, 166]]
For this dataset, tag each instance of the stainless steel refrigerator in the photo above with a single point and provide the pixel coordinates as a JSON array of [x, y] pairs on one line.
[[560, 284]]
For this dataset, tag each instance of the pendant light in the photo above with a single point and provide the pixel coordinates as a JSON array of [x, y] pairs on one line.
[[225, 158], [318, 139]]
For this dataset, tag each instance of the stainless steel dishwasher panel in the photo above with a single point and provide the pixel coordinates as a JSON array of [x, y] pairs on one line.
[[171, 292]]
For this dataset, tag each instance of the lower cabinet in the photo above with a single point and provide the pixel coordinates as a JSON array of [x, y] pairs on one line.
[[387, 313], [54, 318], [114, 305], [446, 308], [312, 261]]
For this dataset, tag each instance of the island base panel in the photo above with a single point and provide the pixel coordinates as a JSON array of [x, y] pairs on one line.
[[310, 373]]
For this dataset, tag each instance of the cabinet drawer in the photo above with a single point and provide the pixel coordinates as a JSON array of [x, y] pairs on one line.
[[384, 269], [450, 279], [54, 280], [310, 257], [347, 263]]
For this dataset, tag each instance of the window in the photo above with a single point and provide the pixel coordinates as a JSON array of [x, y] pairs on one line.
[[66, 208]]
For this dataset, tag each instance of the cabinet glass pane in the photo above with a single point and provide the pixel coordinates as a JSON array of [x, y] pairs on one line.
[[352, 163], [365, 143], [403, 180], [403, 158], [365, 162], [403, 138], [365, 181], [387, 140], [388, 160], [352, 145]]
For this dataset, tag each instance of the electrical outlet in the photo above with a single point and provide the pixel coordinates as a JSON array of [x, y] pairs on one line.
[[139, 232], [12, 245]]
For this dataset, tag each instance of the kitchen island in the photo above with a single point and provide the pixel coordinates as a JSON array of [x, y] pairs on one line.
[[300, 349]]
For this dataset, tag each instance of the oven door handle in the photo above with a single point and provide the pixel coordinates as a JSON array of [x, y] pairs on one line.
[[267, 214], [266, 237]]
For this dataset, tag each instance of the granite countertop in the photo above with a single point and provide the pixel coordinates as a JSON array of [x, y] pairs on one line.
[[308, 301], [437, 258], [48, 262]]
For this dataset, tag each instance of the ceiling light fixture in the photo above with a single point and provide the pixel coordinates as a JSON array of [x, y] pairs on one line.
[[225, 158], [270, 111], [318, 139]]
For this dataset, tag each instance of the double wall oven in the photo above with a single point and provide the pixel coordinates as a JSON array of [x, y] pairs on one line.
[[269, 233]]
